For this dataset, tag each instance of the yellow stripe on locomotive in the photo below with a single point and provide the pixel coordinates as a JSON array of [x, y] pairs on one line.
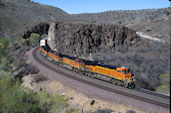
[[73, 62]]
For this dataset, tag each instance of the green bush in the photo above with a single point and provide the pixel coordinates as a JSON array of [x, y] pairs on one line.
[[164, 83], [34, 38], [44, 35], [72, 111], [4, 46], [165, 78], [51, 103], [14, 99], [26, 41]]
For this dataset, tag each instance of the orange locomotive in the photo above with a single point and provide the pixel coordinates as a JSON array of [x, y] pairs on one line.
[[115, 74]]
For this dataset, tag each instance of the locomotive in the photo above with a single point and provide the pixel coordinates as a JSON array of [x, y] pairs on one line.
[[117, 75]]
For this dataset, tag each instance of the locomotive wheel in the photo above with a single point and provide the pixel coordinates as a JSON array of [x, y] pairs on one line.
[[91, 75], [80, 72], [113, 81], [131, 86], [88, 74], [57, 62]]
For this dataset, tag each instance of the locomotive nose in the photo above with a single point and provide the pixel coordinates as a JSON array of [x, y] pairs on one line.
[[129, 74]]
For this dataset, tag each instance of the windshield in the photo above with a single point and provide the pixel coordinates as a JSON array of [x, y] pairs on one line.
[[128, 71], [124, 71]]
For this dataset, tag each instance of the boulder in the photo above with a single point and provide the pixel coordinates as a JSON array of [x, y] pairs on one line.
[[92, 102], [130, 111], [104, 111]]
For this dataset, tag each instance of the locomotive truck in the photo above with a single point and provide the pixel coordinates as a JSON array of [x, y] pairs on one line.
[[117, 75]]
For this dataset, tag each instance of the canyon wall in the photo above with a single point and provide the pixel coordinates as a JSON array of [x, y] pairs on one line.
[[83, 39]]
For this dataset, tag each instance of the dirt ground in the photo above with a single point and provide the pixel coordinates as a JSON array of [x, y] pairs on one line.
[[75, 99]]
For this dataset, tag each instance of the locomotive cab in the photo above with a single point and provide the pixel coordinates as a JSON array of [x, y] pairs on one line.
[[129, 79], [43, 42]]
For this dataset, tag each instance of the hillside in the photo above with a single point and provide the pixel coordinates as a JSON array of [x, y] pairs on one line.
[[115, 45], [77, 39], [154, 22], [147, 59], [17, 16]]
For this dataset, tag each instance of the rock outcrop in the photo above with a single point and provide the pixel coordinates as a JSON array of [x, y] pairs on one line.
[[83, 39], [40, 28], [51, 35]]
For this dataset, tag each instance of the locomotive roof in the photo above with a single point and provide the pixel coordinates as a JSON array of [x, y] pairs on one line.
[[88, 62], [44, 38], [45, 48], [73, 58]]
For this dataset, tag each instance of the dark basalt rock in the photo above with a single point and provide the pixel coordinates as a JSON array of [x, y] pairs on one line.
[[41, 28], [92, 102], [83, 39], [104, 111]]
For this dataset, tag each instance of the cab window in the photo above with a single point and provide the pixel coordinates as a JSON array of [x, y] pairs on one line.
[[128, 71], [80, 61], [124, 71]]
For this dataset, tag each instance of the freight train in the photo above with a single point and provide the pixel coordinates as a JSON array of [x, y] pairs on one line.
[[117, 75]]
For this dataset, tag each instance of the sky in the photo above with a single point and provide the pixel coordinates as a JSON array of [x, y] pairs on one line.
[[95, 6]]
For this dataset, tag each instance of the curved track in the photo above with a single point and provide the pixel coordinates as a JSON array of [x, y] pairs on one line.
[[137, 93]]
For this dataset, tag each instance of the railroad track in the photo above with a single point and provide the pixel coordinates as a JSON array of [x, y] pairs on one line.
[[137, 93]]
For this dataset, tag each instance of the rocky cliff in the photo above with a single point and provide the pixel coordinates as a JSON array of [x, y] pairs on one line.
[[40, 28], [83, 39]]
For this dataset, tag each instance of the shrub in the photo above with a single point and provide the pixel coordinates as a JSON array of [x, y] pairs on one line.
[[51, 103], [104, 111], [72, 111], [26, 41], [14, 99], [147, 61], [5, 48], [164, 83], [34, 38], [4, 45], [44, 35]]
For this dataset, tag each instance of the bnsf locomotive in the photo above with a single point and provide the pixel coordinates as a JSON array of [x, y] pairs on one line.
[[115, 74]]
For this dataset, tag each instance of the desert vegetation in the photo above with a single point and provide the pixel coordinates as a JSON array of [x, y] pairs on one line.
[[115, 45], [123, 17], [17, 99], [148, 61], [17, 16], [14, 98], [154, 22], [164, 83]]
